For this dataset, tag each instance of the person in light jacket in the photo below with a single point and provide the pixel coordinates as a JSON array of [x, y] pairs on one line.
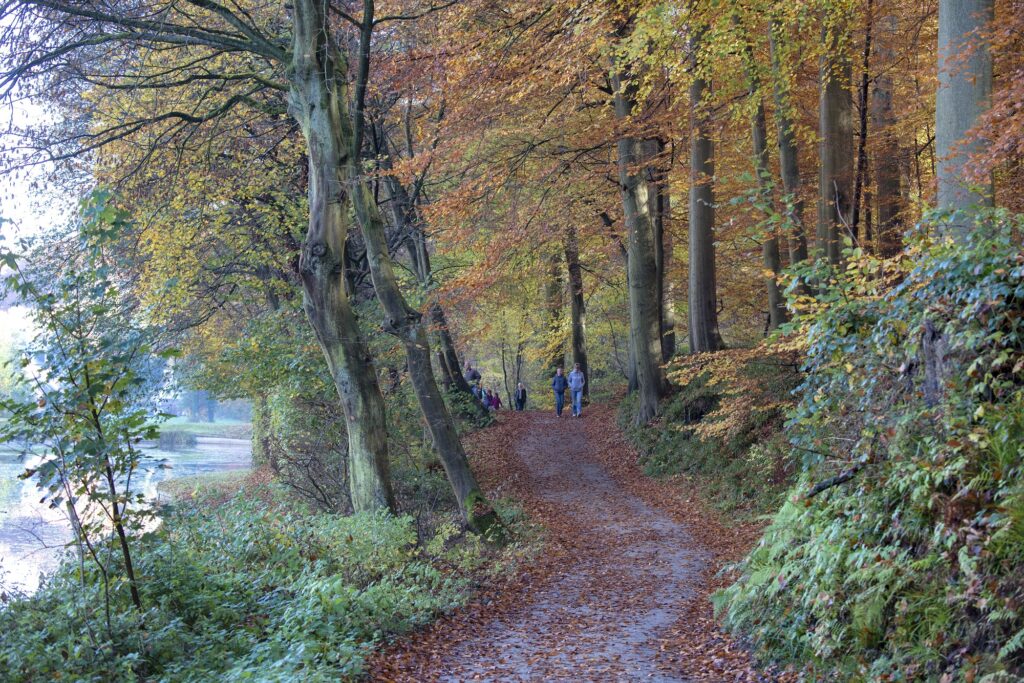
[[576, 383], [559, 384]]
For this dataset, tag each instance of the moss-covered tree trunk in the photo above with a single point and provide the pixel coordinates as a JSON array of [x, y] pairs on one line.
[[406, 219], [402, 320], [264, 448], [318, 88], [405, 323]]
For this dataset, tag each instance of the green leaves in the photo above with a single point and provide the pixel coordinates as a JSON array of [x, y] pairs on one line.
[[914, 372]]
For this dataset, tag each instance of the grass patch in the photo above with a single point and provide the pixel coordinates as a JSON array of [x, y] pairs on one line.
[[209, 485], [228, 429]]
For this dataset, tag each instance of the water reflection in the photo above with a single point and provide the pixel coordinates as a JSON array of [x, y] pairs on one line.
[[32, 535]]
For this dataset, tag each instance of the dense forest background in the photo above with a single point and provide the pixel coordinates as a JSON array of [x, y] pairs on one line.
[[788, 233]]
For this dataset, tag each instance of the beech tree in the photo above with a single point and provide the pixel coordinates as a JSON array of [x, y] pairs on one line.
[[835, 129], [704, 334], [301, 47], [644, 302]]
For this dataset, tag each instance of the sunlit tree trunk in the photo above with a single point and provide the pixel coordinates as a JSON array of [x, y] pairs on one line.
[[642, 273], [964, 94], [578, 306], [835, 186], [318, 78], [703, 294]]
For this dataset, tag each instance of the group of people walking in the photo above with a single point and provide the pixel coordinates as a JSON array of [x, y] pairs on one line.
[[574, 383], [560, 384], [491, 398]]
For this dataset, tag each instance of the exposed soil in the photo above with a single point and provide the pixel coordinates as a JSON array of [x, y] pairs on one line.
[[620, 591]]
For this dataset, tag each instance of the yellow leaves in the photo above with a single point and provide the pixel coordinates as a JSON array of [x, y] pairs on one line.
[[742, 391]]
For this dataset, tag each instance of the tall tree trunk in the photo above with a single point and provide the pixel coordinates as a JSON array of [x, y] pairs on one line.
[[777, 313], [554, 290], [402, 320], [964, 94], [835, 187], [407, 221], [318, 101], [579, 306], [641, 271], [789, 160], [703, 294], [657, 195], [860, 176], [887, 160]]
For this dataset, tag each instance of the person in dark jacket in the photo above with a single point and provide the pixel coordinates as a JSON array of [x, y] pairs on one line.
[[559, 384], [471, 374], [495, 399], [520, 397]]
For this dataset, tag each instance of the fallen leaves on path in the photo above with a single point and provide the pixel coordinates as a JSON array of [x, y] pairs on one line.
[[621, 589]]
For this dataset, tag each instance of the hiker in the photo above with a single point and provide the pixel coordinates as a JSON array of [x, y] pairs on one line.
[[485, 397], [576, 383], [559, 384], [520, 397], [495, 398], [471, 375], [475, 388]]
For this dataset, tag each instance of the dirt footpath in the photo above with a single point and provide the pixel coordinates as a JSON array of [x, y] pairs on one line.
[[620, 591]]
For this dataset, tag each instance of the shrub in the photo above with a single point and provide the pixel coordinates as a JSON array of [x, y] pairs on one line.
[[897, 555], [251, 590]]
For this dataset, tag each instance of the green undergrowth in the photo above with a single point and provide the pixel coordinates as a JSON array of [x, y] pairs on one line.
[[742, 465], [258, 588], [898, 554]]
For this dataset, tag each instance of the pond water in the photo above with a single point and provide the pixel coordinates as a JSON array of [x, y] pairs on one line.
[[32, 535]]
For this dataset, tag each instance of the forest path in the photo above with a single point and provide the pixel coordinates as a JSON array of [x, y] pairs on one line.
[[614, 592]]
